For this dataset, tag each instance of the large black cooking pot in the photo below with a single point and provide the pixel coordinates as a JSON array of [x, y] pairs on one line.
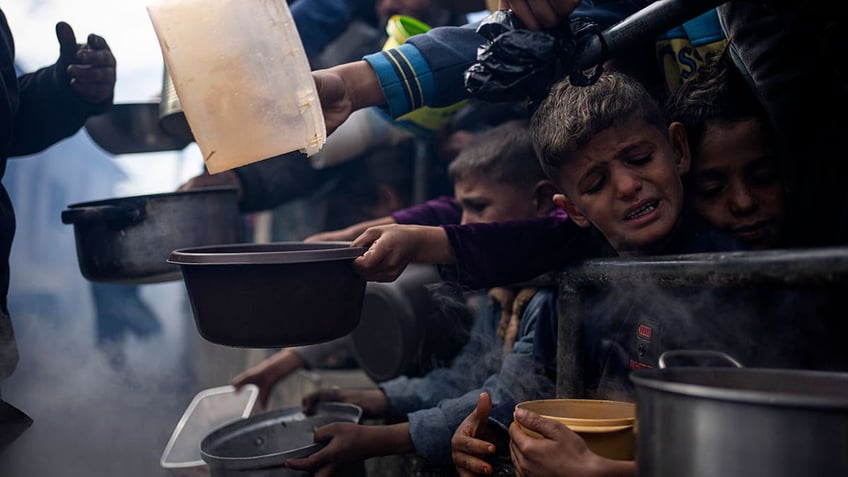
[[741, 422], [129, 239]]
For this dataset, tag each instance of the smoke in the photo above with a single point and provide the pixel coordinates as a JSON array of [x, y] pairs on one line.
[[91, 416], [629, 325]]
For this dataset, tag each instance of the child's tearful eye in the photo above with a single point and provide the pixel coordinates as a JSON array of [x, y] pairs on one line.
[[641, 160], [594, 183]]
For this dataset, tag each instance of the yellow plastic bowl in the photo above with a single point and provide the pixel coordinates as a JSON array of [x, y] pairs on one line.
[[608, 427]]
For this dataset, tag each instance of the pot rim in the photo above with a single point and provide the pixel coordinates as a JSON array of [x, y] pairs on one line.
[[160, 195], [267, 254], [664, 380], [346, 412]]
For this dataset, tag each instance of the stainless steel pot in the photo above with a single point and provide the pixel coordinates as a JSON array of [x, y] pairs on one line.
[[130, 128], [172, 119], [129, 239], [259, 445], [741, 422]]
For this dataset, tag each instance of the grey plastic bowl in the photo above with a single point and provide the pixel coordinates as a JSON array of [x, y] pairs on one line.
[[259, 445], [272, 295]]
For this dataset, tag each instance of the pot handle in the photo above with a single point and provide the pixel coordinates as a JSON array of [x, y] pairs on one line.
[[116, 214], [690, 353]]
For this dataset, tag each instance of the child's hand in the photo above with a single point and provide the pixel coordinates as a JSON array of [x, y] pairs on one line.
[[559, 453], [346, 442], [467, 447], [392, 247], [268, 373], [89, 67]]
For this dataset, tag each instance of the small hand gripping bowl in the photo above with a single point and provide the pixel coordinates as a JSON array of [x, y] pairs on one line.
[[608, 427], [274, 294]]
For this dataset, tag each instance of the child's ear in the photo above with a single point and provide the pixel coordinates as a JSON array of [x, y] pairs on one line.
[[564, 203], [543, 197], [680, 147]]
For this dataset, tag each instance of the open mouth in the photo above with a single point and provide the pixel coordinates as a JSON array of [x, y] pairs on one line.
[[643, 210]]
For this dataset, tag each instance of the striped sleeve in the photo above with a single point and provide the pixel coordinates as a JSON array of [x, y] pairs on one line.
[[404, 76]]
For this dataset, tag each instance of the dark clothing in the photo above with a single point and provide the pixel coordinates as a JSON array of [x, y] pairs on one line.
[[439, 211], [36, 111], [500, 253]]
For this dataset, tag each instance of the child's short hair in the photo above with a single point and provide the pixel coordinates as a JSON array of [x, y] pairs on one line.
[[570, 116], [718, 92], [503, 153]]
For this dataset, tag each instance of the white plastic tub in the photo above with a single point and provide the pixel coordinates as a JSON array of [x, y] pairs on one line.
[[209, 410], [242, 77]]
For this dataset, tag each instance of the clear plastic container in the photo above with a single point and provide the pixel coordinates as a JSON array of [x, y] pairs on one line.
[[209, 410], [242, 78]]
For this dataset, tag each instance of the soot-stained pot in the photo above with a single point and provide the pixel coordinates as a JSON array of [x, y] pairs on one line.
[[403, 330], [129, 239]]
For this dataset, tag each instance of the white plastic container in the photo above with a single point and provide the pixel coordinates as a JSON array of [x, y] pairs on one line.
[[209, 410], [242, 77]]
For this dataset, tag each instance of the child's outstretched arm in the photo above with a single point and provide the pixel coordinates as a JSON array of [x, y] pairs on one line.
[[392, 247]]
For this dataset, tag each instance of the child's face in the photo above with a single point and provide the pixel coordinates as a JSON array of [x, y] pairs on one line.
[[736, 184], [485, 200], [626, 182]]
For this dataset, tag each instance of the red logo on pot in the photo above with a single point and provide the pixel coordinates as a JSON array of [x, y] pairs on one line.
[[645, 331], [637, 365]]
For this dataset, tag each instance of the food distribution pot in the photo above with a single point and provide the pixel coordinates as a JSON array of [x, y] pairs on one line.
[[129, 239], [259, 445], [273, 294], [741, 422]]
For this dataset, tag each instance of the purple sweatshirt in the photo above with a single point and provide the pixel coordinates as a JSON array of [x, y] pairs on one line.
[[486, 252]]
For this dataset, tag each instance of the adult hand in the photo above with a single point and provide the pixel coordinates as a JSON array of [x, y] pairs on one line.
[[268, 373], [373, 402], [539, 14], [89, 67], [558, 453], [346, 442], [392, 247], [346, 88], [468, 446]]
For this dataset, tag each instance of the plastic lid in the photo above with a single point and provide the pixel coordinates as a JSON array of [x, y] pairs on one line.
[[209, 410]]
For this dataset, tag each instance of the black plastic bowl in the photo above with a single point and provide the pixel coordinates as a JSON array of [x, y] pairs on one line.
[[272, 295]]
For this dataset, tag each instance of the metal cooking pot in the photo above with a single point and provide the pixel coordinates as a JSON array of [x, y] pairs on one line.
[[130, 128], [741, 422], [411, 325], [129, 239], [172, 119], [259, 445], [387, 342]]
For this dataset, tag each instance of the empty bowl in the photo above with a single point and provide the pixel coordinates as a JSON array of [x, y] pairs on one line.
[[274, 294]]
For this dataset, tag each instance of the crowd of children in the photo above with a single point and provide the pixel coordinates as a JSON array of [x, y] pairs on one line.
[[608, 169]]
